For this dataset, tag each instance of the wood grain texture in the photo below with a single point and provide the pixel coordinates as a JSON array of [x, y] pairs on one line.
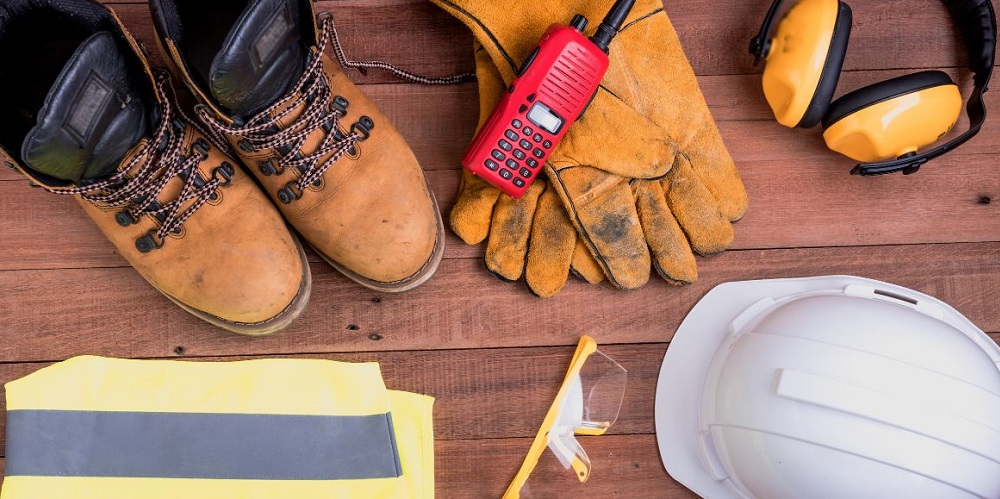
[[51, 315], [892, 34], [492, 354]]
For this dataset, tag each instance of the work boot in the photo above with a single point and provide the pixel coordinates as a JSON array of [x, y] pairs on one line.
[[83, 115], [334, 165]]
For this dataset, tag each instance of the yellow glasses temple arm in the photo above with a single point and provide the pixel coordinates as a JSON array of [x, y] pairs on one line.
[[584, 349]]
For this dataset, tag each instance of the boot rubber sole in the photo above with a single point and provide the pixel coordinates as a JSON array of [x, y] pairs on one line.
[[269, 326]]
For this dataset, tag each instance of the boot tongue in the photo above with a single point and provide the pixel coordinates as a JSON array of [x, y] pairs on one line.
[[262, 58], [93, 115]]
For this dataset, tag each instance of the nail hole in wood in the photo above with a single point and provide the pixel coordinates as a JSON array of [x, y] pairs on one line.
[[353, 327], [180, 350], [375, 337], [985, 200]]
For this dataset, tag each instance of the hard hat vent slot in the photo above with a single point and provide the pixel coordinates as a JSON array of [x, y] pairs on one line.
[[899, 297]]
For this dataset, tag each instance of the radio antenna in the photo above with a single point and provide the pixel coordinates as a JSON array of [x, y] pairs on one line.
[[612, 23]]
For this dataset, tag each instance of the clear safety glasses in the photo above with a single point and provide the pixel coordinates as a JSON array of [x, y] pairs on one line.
[[587, 403]]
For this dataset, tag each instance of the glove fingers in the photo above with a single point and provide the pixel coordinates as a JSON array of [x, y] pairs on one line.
[[672, 256], [716, 170], [470, 217], [508, 245], [695, 208], [603, 211], [620, 140], [584, 265], [550, 251], [491, 85], [674, 100]]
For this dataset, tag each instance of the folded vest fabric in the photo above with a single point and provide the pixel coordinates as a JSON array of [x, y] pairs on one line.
[[93, 427]]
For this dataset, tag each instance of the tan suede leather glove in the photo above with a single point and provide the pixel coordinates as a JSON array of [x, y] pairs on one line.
[[644, 173], [531, 237]]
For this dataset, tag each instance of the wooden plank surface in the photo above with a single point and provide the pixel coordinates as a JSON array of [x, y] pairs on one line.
[[494, 357]]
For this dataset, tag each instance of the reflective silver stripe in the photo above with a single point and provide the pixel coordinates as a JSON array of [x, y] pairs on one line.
[[179, 445]]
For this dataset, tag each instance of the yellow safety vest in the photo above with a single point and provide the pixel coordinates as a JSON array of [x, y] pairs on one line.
[[102, 428]]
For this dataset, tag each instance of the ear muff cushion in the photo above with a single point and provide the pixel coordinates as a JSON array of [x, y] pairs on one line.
[[881, 92], [831, 70]]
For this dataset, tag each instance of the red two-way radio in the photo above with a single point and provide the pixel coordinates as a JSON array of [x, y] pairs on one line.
[[552, 89]]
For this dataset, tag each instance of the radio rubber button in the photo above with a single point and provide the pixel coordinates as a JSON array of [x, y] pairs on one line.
[[512, 164], [516, 124], [547, 144], [526, 145], [539, 153], [526, 173], [532, 163], [505, 145], [528, 131], [492, 165], [518, 183], [498, 155], [510, 135], [519, 154], [506, 174], [538, 137]]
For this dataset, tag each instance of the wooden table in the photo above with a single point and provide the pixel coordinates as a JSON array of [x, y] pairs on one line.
[[491, 353]]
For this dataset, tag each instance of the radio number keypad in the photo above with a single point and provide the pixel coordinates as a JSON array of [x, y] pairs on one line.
[[519, 163]]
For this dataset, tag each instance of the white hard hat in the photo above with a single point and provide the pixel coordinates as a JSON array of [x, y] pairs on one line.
[[829, 387]]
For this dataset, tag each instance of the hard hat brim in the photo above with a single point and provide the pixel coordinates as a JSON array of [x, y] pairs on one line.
[[686, 365]]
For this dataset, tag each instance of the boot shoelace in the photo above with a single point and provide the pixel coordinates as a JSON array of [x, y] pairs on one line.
[[135, 187], [363, 66], [320, 109]]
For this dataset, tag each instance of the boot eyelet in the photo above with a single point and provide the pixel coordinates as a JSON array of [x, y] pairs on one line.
[[318, 184], [339, 104], [270, 168], [125, 219], [201, 145], [363, 128], [148, 243], [290, 193], [225, 171], [245, 146], [154, 207]]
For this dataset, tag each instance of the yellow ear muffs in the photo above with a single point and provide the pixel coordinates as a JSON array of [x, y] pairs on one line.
[[805, 59], [893, 118]]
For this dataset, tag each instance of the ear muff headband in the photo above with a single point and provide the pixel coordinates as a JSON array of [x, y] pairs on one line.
[[976, 20]]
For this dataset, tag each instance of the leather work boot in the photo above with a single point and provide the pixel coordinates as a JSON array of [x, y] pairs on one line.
[[85, 116], [334, 165]]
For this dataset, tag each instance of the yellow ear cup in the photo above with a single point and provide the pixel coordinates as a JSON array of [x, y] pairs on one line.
[[797, 63], [893, 118]]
